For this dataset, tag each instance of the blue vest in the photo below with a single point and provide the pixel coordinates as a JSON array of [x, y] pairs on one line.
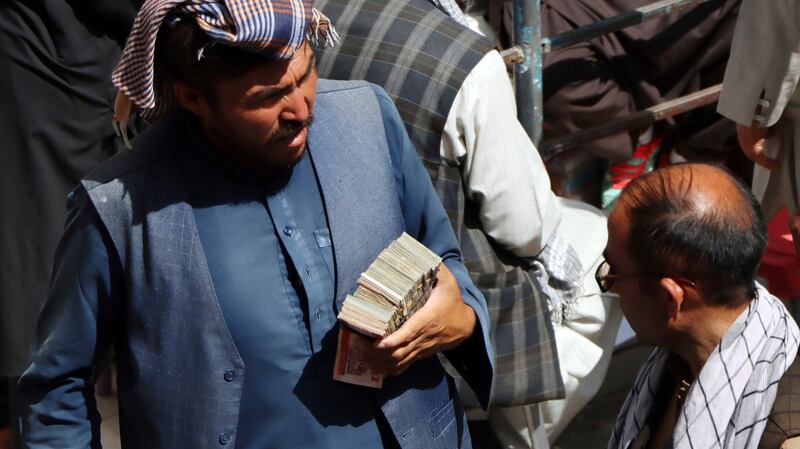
[[175, 349]]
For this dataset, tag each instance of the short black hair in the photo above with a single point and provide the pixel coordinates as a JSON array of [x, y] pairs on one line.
[[719, 248], [184, 52]]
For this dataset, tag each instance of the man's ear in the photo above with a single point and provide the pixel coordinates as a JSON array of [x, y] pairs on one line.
[[674, 295], [190, 98]]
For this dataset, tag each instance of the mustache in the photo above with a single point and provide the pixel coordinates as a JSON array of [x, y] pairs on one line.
[[290, 128]]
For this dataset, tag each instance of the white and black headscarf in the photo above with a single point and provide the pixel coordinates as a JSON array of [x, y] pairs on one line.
[[728, 404], [277, 27]]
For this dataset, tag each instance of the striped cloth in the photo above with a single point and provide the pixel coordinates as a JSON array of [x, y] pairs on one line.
[[728, 404], [451, 8], [277, 27], [421, 57]]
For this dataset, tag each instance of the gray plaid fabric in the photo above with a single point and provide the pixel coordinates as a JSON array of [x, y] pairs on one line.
[[421, 57], [728, 404]]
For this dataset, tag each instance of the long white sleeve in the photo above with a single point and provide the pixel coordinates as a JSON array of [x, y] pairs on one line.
[[501, 169]]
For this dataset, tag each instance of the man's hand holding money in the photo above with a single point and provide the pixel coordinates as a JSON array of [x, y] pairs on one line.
[[441, 324]]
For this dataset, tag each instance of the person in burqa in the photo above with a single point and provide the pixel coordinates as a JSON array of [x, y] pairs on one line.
[[56, 59]]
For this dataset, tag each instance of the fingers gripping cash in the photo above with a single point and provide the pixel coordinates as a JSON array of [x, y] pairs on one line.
[[377, 335]]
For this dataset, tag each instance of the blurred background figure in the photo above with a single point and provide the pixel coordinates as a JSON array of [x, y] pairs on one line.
[[760, 94], [619, 73], [56, 58]]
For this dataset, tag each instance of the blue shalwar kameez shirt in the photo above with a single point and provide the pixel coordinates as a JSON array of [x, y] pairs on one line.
[[270, 257]]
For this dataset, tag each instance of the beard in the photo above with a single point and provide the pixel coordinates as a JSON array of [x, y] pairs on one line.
[[265, 157]]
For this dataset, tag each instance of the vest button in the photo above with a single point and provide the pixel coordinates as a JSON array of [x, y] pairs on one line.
[[287, 231], [229, 375], [224, 438]]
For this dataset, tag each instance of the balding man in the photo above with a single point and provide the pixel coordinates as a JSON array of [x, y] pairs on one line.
[[683, 247]]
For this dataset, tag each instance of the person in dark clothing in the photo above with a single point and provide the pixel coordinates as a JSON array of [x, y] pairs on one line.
[[56, 58], [637, 67], [5, 418], [617, 74]]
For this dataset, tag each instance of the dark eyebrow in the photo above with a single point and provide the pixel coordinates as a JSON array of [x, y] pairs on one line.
[[266, 92]]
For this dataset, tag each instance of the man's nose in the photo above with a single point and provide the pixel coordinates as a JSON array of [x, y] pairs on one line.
[[296, 107]]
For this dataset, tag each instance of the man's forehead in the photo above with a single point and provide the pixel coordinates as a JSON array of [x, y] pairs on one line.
[[281, 74], [618, 218], [618, 231], [268, 74]]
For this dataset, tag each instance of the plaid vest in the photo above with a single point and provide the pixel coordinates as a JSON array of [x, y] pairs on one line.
[[421, 58]]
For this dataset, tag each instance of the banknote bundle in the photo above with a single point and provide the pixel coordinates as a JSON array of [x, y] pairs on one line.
[[392, 288]]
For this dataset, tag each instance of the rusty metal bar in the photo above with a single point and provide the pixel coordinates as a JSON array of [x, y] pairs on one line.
[[616, 23], [513, 55], [528, 72], [638, 120]]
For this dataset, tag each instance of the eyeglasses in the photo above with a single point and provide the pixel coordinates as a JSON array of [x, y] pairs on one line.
[[605, 277]]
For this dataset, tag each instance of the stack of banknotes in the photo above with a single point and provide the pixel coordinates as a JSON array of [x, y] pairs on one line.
[[394, 286]]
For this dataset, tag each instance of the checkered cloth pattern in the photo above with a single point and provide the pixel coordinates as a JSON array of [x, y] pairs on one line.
[[421, 57], [557, 266], [728, 404], [278, 27], [452, 9]]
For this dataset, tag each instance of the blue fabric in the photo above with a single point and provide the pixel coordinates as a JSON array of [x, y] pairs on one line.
[[269, 253], [84, 314]]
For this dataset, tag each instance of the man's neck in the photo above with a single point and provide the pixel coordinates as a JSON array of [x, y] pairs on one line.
[[696, 344]]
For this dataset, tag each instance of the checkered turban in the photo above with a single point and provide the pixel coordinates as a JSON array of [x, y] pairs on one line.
[[277, 27]]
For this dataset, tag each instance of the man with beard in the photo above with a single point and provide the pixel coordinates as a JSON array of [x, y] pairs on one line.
[[215, 255]]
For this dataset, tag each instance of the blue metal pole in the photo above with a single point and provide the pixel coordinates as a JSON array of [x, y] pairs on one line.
[[528, 73]]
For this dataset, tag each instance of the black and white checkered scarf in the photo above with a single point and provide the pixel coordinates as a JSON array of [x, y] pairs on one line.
[[275, 27], [728, 404], [451, 8]]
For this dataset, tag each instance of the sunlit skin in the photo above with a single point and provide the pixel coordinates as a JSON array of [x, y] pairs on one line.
[[662, 310], [259, 120], [647, 316]]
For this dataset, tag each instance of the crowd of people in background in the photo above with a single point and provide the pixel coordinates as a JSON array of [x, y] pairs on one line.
[[278, 146]]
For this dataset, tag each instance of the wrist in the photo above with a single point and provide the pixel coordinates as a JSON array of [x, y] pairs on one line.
[[468, 320]]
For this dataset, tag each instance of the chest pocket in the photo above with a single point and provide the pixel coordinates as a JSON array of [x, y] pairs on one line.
[[323, 238]]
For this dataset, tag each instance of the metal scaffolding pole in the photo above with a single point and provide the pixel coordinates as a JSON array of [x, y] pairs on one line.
[[639, 119], [528, 72], [616, 23], [526, 57]]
